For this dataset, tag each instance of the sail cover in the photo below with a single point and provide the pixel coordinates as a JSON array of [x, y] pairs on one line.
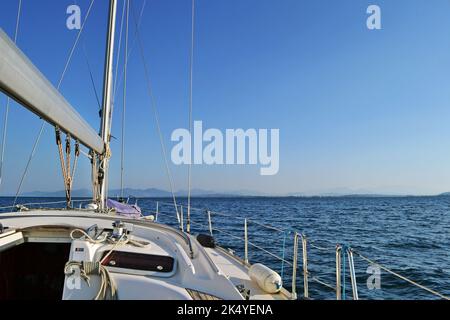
[[23, 82], [123, 209]]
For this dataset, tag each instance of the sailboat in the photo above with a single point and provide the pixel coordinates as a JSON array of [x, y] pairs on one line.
[[107, 250]]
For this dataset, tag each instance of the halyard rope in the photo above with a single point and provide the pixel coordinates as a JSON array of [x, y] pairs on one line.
[[61, 159], [75, 162]]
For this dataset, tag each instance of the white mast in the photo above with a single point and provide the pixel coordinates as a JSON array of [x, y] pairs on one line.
[[107, 100]]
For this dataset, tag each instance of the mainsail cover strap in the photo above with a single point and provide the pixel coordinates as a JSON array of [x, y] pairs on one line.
[[23, 82]]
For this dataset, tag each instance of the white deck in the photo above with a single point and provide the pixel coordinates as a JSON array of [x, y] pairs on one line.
[[211, 271]]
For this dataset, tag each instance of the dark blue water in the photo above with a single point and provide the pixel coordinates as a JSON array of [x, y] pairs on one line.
[[410, 235]]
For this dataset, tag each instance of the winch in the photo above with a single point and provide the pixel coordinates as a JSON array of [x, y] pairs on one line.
[[119, 230]]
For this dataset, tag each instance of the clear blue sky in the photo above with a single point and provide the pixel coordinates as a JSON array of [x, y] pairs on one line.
[[358, 110]]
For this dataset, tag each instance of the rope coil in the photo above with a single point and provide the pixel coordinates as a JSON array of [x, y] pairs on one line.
[[108, 289]]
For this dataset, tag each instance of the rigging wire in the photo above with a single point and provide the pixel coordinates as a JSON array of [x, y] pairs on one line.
[[155, 111], [118, 59], [41, 130], [119, 82], [8, 101], [72, 51], [30, 159], [125, 72], [191, 91], [91, 76], [116, 77], [373, 263]]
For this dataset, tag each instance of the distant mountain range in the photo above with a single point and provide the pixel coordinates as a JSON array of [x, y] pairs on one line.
[[158, 193], [142, 193]]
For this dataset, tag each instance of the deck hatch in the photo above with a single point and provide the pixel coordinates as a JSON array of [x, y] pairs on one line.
[[137, 261]]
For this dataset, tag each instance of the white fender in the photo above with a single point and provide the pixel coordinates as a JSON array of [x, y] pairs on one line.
[[267, 279], [91, 206]]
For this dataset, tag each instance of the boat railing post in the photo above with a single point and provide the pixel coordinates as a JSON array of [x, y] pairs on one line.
[[338, 272], [157, 211], [246, 241], [181, 219], [188, 220], [210, 223], [305, 267], [352, 274], [294, 268]]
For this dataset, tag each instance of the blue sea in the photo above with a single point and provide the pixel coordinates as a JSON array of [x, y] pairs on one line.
[[409, 235]]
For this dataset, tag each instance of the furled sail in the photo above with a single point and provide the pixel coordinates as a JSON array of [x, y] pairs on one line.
[[23, 82]]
